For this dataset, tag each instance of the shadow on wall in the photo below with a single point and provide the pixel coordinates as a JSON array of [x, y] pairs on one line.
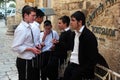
[[102, 61], [101, 72]]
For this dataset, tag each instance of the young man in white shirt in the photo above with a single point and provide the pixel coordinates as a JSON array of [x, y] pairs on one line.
[[36, 26], [85, 52], [23, 44], [36, 34], [47, 36]]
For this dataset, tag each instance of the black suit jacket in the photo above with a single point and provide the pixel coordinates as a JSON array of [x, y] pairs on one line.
[[64, 44], [87, 53]]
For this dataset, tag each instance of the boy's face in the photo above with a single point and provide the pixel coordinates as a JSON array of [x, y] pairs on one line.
[[61, 25], [39, 19], [31, 17], [74, 23], [47, 29]]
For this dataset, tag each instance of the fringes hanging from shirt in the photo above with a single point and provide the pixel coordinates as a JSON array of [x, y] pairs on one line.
[[26, 69], [32, 63], [64, 65]]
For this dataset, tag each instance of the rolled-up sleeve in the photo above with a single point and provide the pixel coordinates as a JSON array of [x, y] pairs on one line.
[[19, 38]]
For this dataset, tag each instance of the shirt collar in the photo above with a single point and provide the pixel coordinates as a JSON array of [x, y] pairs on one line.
[[66, 29], [36, 23], [25, 23], [81, 29]]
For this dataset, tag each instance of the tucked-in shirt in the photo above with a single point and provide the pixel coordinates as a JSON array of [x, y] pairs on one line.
[[48, 40], [23, 40], [36, 32], [74, 54]]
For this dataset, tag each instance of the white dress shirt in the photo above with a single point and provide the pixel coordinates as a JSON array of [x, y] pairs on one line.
[[36, 32], [74, 54], [48, 40], [23, 40]]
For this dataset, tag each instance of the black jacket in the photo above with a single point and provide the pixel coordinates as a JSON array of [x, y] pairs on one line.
[[64, 44], [87, 54]]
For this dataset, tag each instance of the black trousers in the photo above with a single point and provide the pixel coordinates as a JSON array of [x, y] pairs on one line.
[[72, 73], [44, 58], [48, 69], [26, 71]]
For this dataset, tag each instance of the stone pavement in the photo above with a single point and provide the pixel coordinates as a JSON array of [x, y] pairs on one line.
[[8, 69]]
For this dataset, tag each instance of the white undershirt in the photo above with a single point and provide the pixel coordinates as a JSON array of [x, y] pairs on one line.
[[74, 54]]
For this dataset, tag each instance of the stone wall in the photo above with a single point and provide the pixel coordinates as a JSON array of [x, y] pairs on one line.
[[20, 4], [105, 23], [64, 7], [13, 21]]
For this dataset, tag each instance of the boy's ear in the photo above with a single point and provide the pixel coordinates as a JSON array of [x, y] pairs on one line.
[[25, 15], [80, 22]]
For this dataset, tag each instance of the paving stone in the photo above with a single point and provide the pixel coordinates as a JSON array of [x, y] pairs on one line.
[[8, 69], [13, 77], [14, 68], [2, 74], [4, 78], [12, 73]]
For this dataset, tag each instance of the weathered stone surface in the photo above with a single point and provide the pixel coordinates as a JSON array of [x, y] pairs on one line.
[[8, 69], [110, 47]]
